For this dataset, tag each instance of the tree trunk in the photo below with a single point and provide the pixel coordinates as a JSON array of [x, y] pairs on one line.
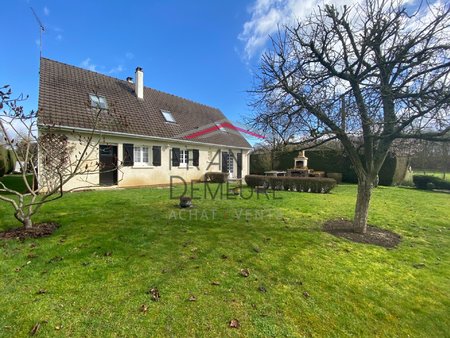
[[27, 223], [362, 205], [271, 159]]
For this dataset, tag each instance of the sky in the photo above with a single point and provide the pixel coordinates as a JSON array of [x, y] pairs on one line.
[[206, 51], [187, 48]]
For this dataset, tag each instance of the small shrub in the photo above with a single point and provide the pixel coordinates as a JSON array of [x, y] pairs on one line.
[[4, 163], [425, 182], [256, 180], [276, 182], [430, 186], [290, 183], [336, 176], [216, 177], [12, 161]]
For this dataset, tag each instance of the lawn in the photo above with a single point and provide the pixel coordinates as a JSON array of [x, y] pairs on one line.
[[92, 276], [16, 182], [430, 172]]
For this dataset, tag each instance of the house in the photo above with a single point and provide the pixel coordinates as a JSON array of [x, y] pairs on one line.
[[156, 136]]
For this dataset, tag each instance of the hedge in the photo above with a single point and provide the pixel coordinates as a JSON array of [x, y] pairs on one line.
[[4, 161], [7, 161], [331, 161], [12, 161], [216, 177], [289, 183], [425, 182]]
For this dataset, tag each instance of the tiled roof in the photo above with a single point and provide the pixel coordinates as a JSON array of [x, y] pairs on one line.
[[64, 95]]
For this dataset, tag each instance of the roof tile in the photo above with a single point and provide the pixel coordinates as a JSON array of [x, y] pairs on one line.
[[63, 100]]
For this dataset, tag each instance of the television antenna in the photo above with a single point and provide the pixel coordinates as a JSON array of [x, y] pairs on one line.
[[41, 30]]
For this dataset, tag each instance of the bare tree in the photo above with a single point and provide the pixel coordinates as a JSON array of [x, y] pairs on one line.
[[365, 75], [29, 146], [278, 133], [61, 159]]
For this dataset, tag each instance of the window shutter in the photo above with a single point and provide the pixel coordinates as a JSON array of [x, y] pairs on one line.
[[128, 156], [195, 157], [224, 162], [239, 164], [176, 157], [187, 158], [156, 156]]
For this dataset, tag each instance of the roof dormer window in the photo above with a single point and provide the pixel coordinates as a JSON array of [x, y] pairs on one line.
[[168, 116], [98, 101]]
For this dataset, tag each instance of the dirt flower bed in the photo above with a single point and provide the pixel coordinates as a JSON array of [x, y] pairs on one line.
[[374, 235], [38, 230]]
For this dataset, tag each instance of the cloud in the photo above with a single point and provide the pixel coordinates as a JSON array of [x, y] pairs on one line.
[[87, 64], [117, 69], [129, 55], [46, 11], [56, 31], [267, 15]]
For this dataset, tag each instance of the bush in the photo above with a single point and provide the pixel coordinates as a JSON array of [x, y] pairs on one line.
[[290, 183], [7, 161], [216, 177], [256, 180], [4, 163], [392, 171], [425, 182], [12, 161], [276, 182], [336, 176]]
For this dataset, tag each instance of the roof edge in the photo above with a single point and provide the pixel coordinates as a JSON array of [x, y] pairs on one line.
[[136, 136]]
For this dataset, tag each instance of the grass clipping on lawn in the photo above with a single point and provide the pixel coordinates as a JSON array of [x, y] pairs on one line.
[[92, 275]]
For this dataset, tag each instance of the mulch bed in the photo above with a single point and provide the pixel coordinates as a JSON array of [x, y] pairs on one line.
[[374, 235], [38, 230]]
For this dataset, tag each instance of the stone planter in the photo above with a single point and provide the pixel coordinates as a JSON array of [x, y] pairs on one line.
[[185, 202]]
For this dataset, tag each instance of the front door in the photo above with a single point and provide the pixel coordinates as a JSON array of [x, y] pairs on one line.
[[108, 165], [228, 163]]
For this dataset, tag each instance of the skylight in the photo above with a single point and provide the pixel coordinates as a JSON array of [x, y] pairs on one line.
[[98, 101], [168, 116]]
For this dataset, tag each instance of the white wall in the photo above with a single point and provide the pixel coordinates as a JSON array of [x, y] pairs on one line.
[[209, 160]]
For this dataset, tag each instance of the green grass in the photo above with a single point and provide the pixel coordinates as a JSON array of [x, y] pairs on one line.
[[16, 182], [431, 172], [355, 289]]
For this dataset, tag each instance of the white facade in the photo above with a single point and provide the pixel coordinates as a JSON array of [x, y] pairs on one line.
[[143, 172]]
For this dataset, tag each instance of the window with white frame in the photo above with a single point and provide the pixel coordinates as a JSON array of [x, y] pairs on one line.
[[141, 156], [230, 162], [184, 157]]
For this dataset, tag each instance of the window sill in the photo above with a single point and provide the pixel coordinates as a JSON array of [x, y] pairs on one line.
[[143, 167]]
